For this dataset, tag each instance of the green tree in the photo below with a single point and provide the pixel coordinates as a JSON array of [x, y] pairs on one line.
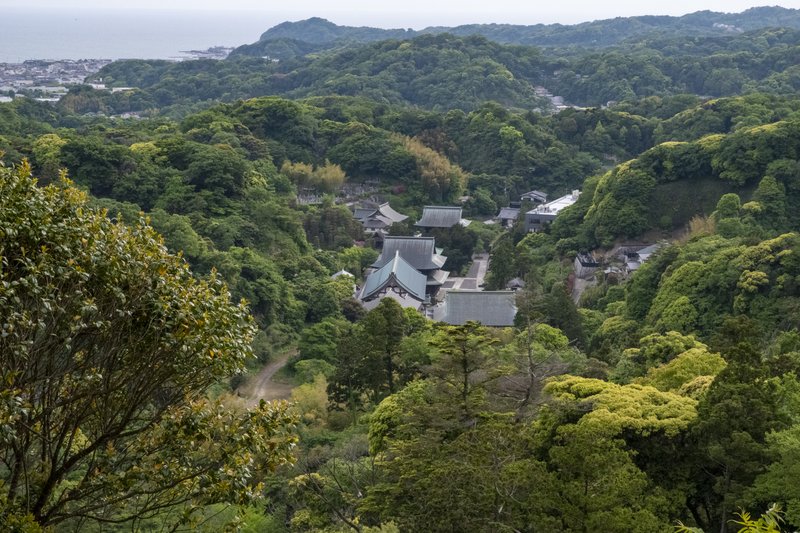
[[370, 357], [771, 195], [729, 450], [47, 155], [464, 364], [109, 344], [501, 263], [591, 431]]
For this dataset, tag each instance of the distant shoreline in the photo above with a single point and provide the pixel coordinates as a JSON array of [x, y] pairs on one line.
[[60, 35]]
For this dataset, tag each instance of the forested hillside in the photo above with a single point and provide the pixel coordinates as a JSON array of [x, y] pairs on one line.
[[441, 72], [154, 268]]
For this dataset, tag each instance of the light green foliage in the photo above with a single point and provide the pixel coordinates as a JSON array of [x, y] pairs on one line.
[[771, 195], [328, 177], [680, 315], [217, 168], [440, 179], [536, 354], [319, 341], [300, 173], [657, 349], [684, 369], [714, 277], [47, 155], [394, 417], [109, 344], [325, 178], [307, 370], [612, 337], [642, 288], [778, 482], [356, 258], [643, 193], [310, 401], [620, 205], [591, 430], [769, 522], [617, 408]]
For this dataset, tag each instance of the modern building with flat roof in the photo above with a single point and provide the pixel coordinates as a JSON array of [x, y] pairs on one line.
[[539, 216]]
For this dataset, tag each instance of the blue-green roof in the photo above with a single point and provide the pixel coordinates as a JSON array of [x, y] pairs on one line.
[[397, 275]]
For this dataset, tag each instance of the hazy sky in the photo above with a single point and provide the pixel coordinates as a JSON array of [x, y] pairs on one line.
[[421, 13]]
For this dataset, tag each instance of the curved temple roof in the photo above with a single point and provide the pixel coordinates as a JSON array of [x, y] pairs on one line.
[[397, 275], [419, 252], [434, 216]]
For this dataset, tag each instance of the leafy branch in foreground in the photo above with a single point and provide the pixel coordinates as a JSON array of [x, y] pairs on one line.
[[107, 345]]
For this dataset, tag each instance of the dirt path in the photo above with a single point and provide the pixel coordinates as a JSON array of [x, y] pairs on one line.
[[262, 387]]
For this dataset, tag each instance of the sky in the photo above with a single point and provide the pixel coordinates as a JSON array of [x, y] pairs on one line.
[[420, 13]]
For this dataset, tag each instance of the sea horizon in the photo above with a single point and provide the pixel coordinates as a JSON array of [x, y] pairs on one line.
[[57, 34]]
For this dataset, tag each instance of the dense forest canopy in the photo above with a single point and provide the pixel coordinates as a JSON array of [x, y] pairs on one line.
[[657, 392], [445, 71]]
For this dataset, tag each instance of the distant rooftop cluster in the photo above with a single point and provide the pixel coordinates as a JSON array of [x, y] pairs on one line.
[[46, 81]]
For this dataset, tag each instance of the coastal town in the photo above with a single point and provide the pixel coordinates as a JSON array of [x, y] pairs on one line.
[[47, 80]]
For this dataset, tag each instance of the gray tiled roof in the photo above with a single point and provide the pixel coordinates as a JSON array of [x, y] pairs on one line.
[[397, 275], [434, 216], [508, 213], [377, 222], [538, 196], [587, 260], [387, 211], [490, 308], [420, 252], [438, 277], [362, 213]]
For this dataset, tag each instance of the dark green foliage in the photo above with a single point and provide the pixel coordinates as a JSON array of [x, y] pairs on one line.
[[332, 227], [458, 243], [734, 417], [501, 264], [560, 312], [370, 360]]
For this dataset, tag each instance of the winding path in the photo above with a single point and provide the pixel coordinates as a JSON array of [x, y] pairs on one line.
[[263, 387]]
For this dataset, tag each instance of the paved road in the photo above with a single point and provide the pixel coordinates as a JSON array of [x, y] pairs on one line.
[[474, 278]]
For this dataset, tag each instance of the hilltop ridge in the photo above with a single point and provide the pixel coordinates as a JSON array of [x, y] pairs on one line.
[[598, 33]]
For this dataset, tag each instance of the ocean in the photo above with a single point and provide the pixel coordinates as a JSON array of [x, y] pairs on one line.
[[116, 34]]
